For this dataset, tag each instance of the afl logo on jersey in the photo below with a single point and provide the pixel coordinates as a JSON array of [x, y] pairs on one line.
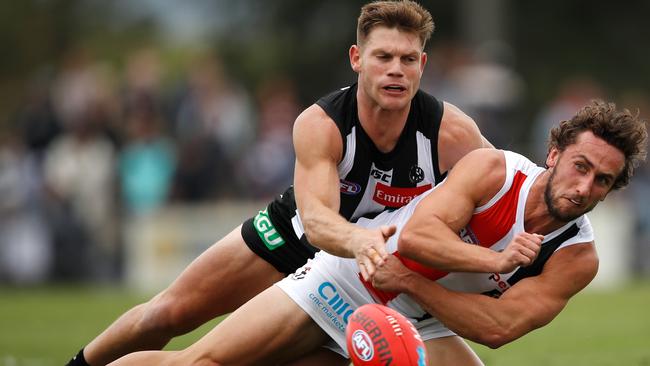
[[349, 188], [416, 174]]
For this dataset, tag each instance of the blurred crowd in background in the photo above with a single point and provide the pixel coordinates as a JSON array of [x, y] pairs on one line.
[[93, 144], [90, 147]]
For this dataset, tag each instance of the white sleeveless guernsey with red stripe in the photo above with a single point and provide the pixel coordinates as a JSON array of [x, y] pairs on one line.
[[329, 288]]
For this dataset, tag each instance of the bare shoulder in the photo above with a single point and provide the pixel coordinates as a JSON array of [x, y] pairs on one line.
[[314, 116], [483, 161], [314, 132], [458, 135], [481, 172]]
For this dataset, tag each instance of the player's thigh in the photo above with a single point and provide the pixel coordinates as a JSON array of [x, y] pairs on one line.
[[221, 279], [269, 329], [451, 351]]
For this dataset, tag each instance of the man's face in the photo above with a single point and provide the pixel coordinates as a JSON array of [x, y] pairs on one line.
[[390, 65], [581, 176]]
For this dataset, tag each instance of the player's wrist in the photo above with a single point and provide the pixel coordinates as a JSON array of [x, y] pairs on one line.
[[410, 282]]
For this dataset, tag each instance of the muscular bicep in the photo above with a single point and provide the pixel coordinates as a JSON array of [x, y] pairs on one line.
[[318, 147]]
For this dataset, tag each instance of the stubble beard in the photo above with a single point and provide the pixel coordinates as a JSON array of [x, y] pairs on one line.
[[552, 208]]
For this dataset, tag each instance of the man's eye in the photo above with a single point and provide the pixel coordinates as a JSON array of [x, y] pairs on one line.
[[604, 181]]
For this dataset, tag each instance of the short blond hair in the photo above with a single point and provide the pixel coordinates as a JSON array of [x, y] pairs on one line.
[[405, 15]]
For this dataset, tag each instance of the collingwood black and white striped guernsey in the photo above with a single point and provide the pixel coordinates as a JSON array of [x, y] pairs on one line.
[[371, 181]]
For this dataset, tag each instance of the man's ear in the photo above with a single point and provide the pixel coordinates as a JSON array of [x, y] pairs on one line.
[[355, 58], [423, 61], [551, 158]]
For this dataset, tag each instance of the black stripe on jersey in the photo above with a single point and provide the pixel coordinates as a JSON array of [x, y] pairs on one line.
[[341, 107], [432, 109], [544, 254]]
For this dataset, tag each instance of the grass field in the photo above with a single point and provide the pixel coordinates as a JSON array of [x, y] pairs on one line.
[[45, 326]]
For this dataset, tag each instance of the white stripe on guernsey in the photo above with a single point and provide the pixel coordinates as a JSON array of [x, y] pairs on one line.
[[296, 223], [348, 160], [424, 157]]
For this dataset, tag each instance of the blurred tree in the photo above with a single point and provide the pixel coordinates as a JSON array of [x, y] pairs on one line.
[[36, 34]]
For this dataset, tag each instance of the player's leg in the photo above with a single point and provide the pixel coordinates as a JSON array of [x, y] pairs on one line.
[[221, 279], [269, 329], [451, 351]]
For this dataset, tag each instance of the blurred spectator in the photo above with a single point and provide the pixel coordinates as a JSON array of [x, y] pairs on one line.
[[25, 247], [36, 119], [268, 163], [484, 84], [147, 161], [572, 95], [638, 193], [79, 172], [143, 73], [442, 62], [85, 86], [213, 127]]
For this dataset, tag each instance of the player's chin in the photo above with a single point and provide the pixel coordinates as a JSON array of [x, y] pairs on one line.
[[395, 103]]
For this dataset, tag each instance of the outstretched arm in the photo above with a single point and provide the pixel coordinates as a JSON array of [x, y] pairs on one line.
[[319, 148], [530, 304]]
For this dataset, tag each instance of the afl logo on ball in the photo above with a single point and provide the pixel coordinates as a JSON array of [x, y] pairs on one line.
[[416, 174], [362, 345]]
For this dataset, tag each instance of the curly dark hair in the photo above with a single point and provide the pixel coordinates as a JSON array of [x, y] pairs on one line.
[[621, 129], [405, 15]]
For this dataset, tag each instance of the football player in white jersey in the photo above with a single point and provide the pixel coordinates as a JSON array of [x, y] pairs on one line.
[[589, 156]]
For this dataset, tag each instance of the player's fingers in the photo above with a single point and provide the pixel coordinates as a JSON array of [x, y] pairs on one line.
[[370, 266], [529, 254], [376, 256], [535, 238], [381, 255], [364, 273], [531, 245]]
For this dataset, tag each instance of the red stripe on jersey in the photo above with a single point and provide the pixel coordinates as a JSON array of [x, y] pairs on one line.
[[489, 226]]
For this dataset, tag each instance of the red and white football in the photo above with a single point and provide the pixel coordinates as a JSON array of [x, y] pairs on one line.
[[377, 335]]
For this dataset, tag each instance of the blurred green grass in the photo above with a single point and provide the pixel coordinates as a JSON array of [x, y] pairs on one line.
[[46, 326]]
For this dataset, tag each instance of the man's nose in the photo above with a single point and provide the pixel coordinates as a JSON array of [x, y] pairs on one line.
[[395, 68], [584, 185]]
